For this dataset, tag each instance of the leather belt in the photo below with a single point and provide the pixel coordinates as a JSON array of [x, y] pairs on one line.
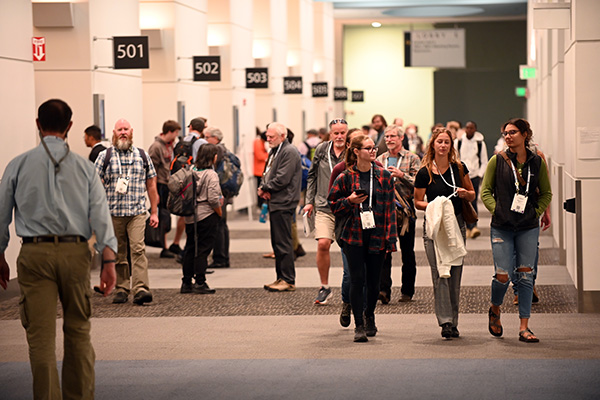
[[55, 239]]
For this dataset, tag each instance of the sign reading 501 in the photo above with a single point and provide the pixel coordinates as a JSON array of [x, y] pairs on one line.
[[131, 52], [257, 78], [207, 68]]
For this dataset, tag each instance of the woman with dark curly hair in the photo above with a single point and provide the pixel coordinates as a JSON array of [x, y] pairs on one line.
[[516, 190], [442, 174]]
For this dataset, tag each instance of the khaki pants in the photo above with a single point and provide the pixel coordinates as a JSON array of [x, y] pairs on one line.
[[46, 272], [133, 228]]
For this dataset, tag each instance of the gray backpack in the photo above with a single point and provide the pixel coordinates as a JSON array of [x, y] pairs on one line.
[[182, 193]]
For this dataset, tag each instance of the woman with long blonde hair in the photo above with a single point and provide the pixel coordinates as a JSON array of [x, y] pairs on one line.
[[443, 174]]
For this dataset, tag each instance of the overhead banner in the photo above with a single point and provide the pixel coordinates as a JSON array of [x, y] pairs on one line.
[[440, 48]]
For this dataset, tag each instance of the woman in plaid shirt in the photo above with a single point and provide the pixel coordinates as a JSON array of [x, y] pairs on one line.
[[370, 227]]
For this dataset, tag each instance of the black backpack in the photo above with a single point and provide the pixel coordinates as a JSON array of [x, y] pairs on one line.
[[183, 154]]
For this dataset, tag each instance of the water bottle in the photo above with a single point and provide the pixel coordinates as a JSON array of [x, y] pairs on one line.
[[263, 213]]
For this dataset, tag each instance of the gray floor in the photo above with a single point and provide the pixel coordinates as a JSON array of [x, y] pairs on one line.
[[246, 343]]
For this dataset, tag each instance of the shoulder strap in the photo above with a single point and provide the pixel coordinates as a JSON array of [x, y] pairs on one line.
[[479, 146], [144, 159], [519, 177], [106, 159], [459, 144]]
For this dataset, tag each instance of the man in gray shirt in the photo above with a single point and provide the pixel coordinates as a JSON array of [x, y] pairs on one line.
[[281, 188]]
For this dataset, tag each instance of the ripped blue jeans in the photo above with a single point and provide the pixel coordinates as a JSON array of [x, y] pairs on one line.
[[513, 251]]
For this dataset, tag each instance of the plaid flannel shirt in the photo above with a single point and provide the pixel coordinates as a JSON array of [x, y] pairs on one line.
[[132, 166], [410, 165], [383, 236]]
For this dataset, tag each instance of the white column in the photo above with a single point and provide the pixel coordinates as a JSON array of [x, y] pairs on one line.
[[18, 107]]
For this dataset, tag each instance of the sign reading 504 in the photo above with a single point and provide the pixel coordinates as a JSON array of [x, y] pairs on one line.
[[131, 52], [207, 68], [257, 78]]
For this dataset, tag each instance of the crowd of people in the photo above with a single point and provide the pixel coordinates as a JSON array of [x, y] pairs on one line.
[[362, 189]]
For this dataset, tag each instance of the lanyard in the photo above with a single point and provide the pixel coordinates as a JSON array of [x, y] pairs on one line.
[[271, 159], [329, 156], [119, 162], [370, 191], [453, 186], [517, 179]]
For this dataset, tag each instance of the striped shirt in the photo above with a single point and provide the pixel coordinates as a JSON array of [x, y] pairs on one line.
[[132, 168]]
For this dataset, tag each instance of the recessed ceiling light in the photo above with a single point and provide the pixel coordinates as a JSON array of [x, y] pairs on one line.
[[376, 24]]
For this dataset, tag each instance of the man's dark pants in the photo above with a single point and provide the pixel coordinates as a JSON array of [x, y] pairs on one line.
[[281, 240], [409, 265]]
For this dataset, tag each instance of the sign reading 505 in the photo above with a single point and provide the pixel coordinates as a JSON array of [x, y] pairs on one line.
[[131, 52], [257, 78], [207, 68]]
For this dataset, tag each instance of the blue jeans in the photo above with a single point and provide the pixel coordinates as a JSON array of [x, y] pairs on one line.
[[514, 250]]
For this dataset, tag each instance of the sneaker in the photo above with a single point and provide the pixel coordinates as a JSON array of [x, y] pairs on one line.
[[405, 298], [268, 285], [186, 287], [360, 335], [370, 328], [202, 289], [385, 299], [175, 249], [120, 298], [166, 254], [447, 330], [536, 296], [179, 258], [475, 233], [345, 315], [323, 296], [141, 297], [282, 286]]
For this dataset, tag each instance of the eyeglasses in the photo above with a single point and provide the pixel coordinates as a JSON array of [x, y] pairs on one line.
[[369, 149], [338, 121], [511, 133]]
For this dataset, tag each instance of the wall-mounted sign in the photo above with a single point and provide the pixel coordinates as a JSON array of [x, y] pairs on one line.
[[442, 48], [340, 93], [319, 89], [207, 68], [257, 78], [358, 95], [39, 48], [131, 52], [292, 85], [526, 72]]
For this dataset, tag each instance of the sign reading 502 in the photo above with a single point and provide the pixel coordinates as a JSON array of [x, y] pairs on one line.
[[207, 68], [130, 52], [257, 78]]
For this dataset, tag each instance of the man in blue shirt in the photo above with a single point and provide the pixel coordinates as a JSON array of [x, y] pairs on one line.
[[58, 201]]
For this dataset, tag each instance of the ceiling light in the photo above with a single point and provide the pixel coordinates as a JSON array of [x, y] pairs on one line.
[[376, 24]]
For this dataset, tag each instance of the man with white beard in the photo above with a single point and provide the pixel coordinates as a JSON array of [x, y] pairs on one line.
[[127, 173]]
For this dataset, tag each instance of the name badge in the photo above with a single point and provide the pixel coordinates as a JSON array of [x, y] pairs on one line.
[[367, 219], [518, 204], [122, 184]]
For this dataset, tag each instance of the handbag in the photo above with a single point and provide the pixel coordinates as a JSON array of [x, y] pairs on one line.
[[468, 211], [404, 213]]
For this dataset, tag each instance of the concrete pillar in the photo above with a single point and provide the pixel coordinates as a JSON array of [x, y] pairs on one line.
[[178, 32], [79, 60], [232, 105], [18, 106], [569, 86]]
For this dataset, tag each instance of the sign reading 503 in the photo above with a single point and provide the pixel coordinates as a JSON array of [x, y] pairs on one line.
[[207, 68], [257, 78], [131, 52]]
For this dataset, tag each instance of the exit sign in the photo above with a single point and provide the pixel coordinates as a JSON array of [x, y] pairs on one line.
[[521, 91], [526, 72]]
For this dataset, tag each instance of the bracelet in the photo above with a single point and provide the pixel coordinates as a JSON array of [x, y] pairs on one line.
[[108, 261]]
